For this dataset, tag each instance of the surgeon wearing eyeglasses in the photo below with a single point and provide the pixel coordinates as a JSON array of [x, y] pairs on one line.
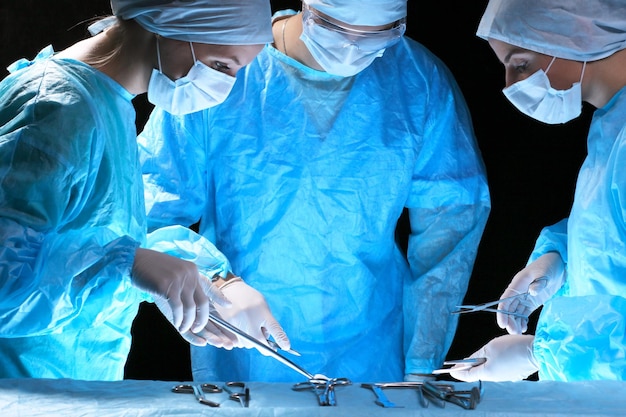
[[300, 177], [557, 54]]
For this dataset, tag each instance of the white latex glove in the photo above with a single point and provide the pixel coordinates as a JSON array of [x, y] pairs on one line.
[[182, 294], [250, 313], [509, 358], [541, 279]]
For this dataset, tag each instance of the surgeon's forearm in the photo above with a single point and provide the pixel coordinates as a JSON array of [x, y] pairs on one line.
[[441, 259], [51, 278]]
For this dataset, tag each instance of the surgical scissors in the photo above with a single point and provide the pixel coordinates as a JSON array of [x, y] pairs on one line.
[[471, 308], [324, 389], [198, 390], [238, 391]]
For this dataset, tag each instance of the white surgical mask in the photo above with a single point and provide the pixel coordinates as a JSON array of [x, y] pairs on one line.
[[201, 88], [343, 51], [535, 97], [336, 56]]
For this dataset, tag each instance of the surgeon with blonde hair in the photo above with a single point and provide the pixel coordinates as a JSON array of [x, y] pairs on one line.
[[558, 54], [73, 259]]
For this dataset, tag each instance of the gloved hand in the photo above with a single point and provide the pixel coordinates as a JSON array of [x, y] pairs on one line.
[[182, 294], [509, 358], [541, 279], [250, 313]]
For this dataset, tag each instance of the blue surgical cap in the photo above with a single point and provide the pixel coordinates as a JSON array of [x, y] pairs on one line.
[[361, 12], [220, 22], [580, 30]]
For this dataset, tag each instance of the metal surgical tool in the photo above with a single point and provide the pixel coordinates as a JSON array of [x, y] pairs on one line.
[[238, 391], [471, 308], [275, 346], [465, 365], [262, 346], [198, 390], [381, 398], [413, 385], [538, 285], [324, 389]]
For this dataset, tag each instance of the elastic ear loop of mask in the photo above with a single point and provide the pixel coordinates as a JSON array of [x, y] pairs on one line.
[[158, 55], [193, 54], [551, 62], [582, 73]]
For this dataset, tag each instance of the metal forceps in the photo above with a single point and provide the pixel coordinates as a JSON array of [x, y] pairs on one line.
[[261, 346], [324, 389], [198, 390], [465, 365], [471, 308], [238, 391], [439, 394]]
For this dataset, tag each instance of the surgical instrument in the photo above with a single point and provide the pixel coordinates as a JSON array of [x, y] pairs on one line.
[[471, 308], [324, 389], [414, 385], [238, 391], [439, 394], [198, 390], [467, 399], [275, 346], [537, 285], [381, 398], [262, 346], [430, 392], [433, 393], [465, 365]]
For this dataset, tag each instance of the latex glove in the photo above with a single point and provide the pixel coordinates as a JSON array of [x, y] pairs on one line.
[[509, 358], [541, 279], [182, 294], [250, 313]]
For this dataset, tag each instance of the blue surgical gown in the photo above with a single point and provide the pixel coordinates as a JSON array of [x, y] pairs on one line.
[[71, 216], [300, 177], [581, 332]]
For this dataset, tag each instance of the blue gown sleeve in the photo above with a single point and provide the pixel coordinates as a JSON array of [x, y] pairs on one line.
[[172, 154], [184, 243], [551, 239], [448, 210], [173, 160], [49, 267]]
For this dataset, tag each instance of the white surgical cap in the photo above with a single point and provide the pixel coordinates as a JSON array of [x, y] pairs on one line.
[[361, 12], [580, 30], [220, 22]]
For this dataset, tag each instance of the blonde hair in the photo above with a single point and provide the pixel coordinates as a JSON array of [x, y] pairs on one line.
[[122, 34]]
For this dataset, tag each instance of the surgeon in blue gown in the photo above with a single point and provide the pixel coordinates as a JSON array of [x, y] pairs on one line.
[[557, 54], [300, 177], [72, 213]]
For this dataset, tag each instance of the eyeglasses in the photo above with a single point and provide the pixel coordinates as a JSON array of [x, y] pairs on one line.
[[361, 38]]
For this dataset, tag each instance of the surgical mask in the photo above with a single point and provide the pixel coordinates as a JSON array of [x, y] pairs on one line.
[[536, 98], [201, 88], [344, 51]]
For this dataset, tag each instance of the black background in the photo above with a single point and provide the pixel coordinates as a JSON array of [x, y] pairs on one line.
[[531, 166]]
